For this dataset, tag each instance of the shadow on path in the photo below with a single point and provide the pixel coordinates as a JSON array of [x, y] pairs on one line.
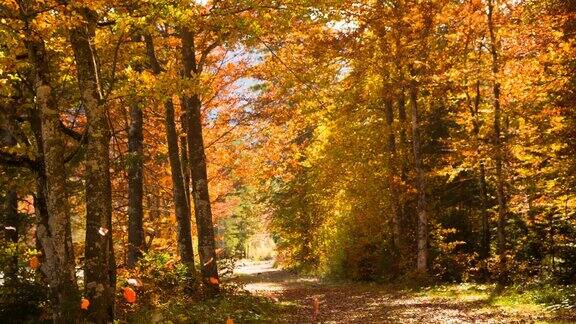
[[365, 303]]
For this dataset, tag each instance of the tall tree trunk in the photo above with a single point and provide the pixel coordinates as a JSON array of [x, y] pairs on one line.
[[185, 246], [403, 152], [485, 215], [198, 172], [40, 200], [183, 213], [485, 220], [99, 267], [135, 186], [392, 171], [53, 229], [500, 182], [422, 236]]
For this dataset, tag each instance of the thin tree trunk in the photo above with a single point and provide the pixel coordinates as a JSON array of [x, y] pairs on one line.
[[40, 203], [185, 246], [485, 239], [200, 195], [402, 118], [485, 221], [135, 186], [184, 163], [500, 182], [422, 236], [392, 170], [183, 211], [198, 172], [99, 265], [403, 151], [552, 248], [53, 226]]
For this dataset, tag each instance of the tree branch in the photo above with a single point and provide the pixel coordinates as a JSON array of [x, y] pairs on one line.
[[11, 159], [113, 72], [72, 133], [204, 54]]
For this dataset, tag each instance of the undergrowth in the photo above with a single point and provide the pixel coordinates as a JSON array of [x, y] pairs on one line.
[[165, 296], [240, 307], [529, 297]]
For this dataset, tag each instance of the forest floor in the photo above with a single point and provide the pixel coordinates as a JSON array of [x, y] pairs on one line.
[[345, 302]]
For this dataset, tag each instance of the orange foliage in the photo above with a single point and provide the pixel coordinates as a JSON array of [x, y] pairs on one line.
[[129, 295], [34, 262], [85, 303]]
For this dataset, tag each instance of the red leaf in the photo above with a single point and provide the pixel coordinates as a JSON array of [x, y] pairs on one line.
[[129, 295]]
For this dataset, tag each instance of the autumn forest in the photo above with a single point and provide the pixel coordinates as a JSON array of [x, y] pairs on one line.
[[193, 161]]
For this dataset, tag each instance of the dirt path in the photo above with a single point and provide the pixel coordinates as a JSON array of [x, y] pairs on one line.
[[367, 303]]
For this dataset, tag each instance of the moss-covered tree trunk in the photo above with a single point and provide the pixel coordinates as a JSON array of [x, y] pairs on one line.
[[197, 167], [99, 267], [53, 229]]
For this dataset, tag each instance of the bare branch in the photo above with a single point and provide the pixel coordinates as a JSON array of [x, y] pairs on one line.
[[114, 63]]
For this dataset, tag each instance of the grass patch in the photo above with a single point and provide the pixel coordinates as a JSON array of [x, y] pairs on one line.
[[530, 298], [463, 291], [242, 307]]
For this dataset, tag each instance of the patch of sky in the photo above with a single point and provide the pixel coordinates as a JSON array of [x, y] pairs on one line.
[[344, 26]]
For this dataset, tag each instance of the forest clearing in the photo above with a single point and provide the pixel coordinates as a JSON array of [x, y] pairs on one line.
[[334, 161]]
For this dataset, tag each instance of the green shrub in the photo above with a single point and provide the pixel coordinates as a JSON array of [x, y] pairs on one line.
[[23, 295]]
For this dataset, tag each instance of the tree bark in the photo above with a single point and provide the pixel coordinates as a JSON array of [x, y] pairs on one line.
[[485, 220], [403, 152], [135, 185], [184, 162], [183, 208], [402, 118], [392, 170], [422, 236], [99, 268], [185, 246], [200, 195], [198, 172], [53, 229], [500, 182], [485, 239], [40, 203]]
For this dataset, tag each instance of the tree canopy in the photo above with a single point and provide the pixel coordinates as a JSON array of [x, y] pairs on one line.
[[146, 142]]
